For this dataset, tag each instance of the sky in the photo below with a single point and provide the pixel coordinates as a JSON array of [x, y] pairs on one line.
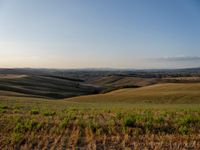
[[100, 33]]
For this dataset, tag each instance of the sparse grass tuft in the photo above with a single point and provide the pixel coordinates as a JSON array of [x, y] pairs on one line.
[[130, 121], [183, 129], [64, 123], [18, 107], [34, 112], [160, 120], [16, 137], [94, 126], [2, 110], [3, 106], [26, 125], [49, 113]]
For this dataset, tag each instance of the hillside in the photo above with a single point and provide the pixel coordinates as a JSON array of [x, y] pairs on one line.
[[60, 83], [44, 86], [156, 94], [117, 81]]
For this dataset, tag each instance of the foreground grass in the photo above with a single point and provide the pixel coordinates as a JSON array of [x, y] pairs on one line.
[[27, 123]]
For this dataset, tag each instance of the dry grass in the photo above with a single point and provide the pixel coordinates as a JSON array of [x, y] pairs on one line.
[[106, 136], [11, 76], [25, 125], [178, 93], [123, 119], [192, 79], [122, 81]]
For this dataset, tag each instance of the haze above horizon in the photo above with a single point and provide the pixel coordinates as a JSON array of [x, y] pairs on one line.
[[108, 34]]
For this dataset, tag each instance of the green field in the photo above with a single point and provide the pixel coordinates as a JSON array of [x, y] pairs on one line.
[[163, 116]]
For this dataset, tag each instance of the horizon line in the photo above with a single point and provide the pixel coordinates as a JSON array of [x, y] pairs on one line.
[[100, 68]]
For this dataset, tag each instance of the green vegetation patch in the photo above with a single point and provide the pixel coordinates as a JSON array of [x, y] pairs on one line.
[[48, 113], [34, 112]]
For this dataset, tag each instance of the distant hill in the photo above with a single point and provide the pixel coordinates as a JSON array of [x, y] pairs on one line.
[[45, 86], [63, 83]]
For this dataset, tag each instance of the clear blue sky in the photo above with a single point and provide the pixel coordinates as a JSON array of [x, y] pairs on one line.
[[100, 33]]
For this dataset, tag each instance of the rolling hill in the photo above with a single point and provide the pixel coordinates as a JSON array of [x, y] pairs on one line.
[[168, 93], [45, 86], [60, 83]]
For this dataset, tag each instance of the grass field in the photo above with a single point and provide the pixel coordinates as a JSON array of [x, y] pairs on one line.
[[123, 119], [168, 93]]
